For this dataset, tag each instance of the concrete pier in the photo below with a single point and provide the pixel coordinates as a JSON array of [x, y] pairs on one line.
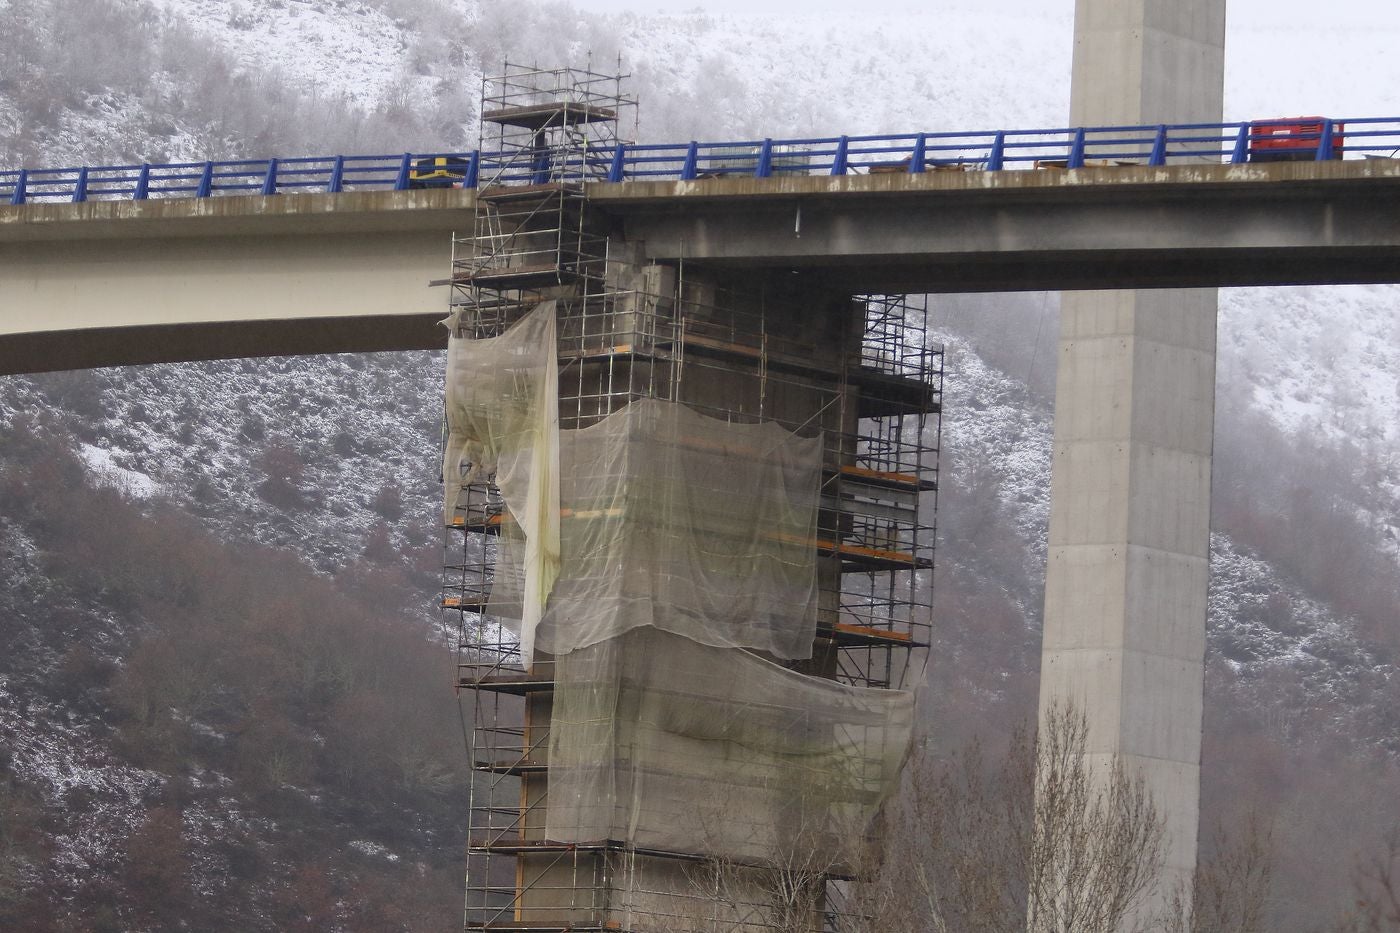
[[1128, 565]]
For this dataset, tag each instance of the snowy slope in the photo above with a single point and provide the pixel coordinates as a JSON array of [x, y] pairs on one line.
[[1319, 361], [335, 48], [1316, 358], [339, 431]]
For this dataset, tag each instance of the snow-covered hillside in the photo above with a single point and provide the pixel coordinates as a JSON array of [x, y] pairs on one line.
[[352, 49], [333, 460], [1317, 359]]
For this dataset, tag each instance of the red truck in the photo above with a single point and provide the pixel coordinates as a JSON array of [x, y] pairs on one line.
[[1293, 139]]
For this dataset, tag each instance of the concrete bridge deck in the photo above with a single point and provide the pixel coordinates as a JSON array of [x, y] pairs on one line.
[[123, 282]]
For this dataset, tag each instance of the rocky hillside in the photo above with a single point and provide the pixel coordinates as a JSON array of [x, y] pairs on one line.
[[224, 677]]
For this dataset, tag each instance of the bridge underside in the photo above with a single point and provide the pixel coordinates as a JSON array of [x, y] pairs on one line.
[[89, 348], [1110, 269], [1094, 228]]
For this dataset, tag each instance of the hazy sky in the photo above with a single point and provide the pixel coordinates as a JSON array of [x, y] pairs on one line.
[[1259, 13], [730, 7]]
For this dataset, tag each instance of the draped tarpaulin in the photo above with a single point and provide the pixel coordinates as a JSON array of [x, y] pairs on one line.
[[647, 552], [502, 408], [685, 523], [667, 744]]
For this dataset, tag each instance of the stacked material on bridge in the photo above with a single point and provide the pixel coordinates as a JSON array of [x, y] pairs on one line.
[[502, 410], [678, 521], [667, 744]]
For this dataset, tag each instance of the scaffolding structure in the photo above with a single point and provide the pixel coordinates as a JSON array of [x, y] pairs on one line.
[[859, 373]]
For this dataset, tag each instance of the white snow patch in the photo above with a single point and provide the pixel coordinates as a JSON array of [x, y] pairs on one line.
[[373, 849], [105, 472]]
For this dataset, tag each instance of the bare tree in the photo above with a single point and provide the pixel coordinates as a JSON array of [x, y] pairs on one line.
[[1038, 838], [955, 844], [1231, 889], [1096, 849], [745, 898], [1377, 882]]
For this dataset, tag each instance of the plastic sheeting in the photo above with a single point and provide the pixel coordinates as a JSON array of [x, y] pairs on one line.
[[662, 743], [502, 410], [647, 552], [685, 523], [664, 517]]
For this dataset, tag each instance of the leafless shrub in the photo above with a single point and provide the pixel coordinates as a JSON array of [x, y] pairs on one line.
[[1039, 837], [1231, 889], [1377, 884], [1097, 845]]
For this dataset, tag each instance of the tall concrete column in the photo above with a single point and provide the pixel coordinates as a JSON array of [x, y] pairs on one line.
[[1125, 598]]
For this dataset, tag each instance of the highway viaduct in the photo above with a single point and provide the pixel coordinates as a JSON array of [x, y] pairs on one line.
[[108, 283]]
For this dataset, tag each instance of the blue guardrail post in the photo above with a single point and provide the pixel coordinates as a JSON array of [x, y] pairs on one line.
[[765, 160], [1159, 147], [1324, 144], [1240, 155], [1076, 150], [838, 161], [916, 158], [17, 196], [143, 183], [206, 181], [998, 155]]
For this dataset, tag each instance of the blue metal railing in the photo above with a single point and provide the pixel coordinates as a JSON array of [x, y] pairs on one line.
[[997, 150]]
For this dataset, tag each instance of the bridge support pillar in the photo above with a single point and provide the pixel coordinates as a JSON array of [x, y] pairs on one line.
[[1128, 560], [1125, 599]]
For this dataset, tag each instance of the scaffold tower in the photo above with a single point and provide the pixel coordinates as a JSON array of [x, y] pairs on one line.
[[718, 689]]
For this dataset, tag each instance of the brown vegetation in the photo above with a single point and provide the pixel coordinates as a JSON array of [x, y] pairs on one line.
[[1036, 835], [334, 717], [1377, 892]]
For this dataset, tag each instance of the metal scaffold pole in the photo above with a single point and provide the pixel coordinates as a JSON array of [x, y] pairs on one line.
[[717, 358]]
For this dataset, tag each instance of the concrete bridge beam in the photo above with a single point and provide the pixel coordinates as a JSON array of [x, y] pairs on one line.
[[111, 283]]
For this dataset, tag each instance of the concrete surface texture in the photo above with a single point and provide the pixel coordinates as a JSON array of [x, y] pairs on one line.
[[1095, 227], [119, 282], [1127, 572]]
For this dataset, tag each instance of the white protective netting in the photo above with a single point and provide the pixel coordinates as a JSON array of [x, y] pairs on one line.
[[646, 553], [674, 520], [662, 743], [502, 410]]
